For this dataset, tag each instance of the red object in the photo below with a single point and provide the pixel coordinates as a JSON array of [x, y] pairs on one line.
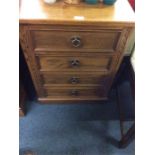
[[132, 3]]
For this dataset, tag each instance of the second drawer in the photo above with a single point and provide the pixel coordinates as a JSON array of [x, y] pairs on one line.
[[75, 62]]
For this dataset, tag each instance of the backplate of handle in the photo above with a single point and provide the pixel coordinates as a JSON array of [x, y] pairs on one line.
[[74, 80], [76, 41], [74, 92], [74, 63]]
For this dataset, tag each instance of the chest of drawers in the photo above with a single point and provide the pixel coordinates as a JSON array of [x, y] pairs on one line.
[[73, 57]]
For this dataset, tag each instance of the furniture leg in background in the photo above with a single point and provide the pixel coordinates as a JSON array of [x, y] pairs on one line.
[[22, 100], [128, 70]]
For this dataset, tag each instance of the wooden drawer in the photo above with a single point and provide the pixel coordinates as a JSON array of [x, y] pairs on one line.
[[73, 78], [89, 62], [72, 92], [67, 40]]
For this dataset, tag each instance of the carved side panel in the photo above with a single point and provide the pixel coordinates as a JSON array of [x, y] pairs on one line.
[[30, 59], [119, 56]]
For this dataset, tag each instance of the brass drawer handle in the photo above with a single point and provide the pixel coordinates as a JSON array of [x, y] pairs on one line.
[[74, 80], [74, 63], [74, 92], [76, 41]]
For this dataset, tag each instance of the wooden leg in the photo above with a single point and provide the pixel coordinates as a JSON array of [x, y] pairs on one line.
[[22, 100], [128, 137], [130, 134], [121, 114], [21, 112]]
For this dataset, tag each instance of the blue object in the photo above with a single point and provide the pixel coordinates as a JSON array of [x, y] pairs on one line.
[[109, 2], [91, 1]]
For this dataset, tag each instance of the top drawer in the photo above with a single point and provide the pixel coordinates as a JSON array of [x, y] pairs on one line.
[[83, 40]]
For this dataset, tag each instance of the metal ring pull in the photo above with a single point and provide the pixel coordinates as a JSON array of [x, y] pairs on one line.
[[75, 63], [76, 41], [74, 92], [74, 80]]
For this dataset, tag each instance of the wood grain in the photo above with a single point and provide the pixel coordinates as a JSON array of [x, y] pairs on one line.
[[30, 59], [63, 42], [91, 62], [49, 40], [75, 92], [73, 78], [37, 12]]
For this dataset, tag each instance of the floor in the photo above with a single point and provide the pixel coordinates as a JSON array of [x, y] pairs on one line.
[[75, 129]]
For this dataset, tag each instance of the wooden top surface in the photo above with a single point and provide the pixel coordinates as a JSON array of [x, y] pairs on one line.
[[38, 12]]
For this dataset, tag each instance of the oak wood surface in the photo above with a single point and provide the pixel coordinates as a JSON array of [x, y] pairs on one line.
[[105, 40], [74, 62], [30, 59], [37, 12], [75, 91], [72, 100], [43, 62], [73, 78], [59, 47]]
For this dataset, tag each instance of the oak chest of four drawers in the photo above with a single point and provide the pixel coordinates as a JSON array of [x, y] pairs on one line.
[[71, 58]]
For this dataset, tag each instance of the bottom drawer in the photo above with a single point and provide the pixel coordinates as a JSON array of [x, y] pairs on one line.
[[75, 92]]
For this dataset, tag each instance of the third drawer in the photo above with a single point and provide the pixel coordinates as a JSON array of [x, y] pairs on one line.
[[74, 78]]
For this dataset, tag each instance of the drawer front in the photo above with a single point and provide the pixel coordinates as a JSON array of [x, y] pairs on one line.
[[73, 78], [104, 41], [95, 62], [78, 92]]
